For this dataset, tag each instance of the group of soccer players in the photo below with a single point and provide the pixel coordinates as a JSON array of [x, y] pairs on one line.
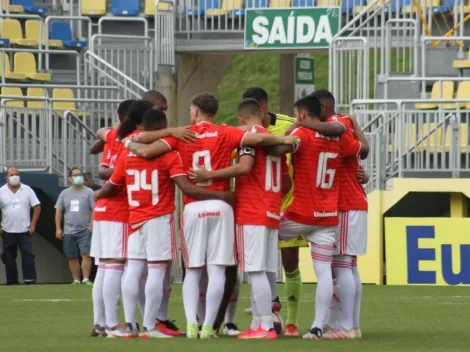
[[309, 164]]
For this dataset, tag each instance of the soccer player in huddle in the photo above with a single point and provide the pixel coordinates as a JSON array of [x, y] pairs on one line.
[[208, 226], [152, 239]]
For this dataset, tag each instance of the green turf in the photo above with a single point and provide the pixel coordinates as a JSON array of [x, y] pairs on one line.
[[393, 319]]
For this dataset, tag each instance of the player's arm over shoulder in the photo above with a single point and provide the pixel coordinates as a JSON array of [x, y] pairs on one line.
[[151, 151], [279, 150]]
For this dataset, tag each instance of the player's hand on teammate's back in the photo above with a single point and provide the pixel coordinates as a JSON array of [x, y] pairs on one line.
[[292, 140], [362, 175], [183, 134], [198, 175], [228, 197]]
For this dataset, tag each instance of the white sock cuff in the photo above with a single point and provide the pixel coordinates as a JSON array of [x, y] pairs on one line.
[[157, 265], [115, 266]]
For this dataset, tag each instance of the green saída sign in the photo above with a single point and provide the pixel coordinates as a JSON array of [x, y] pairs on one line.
[[299, 28]]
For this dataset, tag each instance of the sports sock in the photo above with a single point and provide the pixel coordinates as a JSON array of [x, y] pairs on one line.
[[256, 316], [112, 292], [163, 310], [98, 302], [272, 278], [293, 289], [231, 312], [324, 291], [142, 283], [262, 295], [215, 292], [357, 300], [130, 289], [202, 296], [347, 293], [153, 293], [191, 294], [332, 318]]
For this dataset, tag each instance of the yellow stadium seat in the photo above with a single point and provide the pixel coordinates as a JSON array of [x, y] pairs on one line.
[[424, 4], [32, 34], [328, 3], [13, 8], [359, 9], [8, 73], [63, 93], [150, 7], [463, 92], [227, 7], [13, 91], [464, 147], [11, 29], [36, 92], [409, 138], [447, 93], [93, 7], [280, 3], [434, 137], [26, 63], [460, 64]]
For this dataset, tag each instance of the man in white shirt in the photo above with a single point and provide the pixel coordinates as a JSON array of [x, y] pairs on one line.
[[16, 201]]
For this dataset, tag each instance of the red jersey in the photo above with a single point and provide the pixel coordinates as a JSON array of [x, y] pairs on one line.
[[259, 194], [150, 191], [110, 139], [114, 208], [352, 195], [316, 190], [212, 149]]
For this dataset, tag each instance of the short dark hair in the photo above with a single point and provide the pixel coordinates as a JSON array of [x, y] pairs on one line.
[[134, 117], [249, 106], [153, 96], [324, 95], [123, 108], [309, 103], [207, 103], [87, 175], [73, 169], [256, 93], [154, 120]]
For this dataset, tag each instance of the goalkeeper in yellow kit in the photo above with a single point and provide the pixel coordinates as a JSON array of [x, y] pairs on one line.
[[278, 125]]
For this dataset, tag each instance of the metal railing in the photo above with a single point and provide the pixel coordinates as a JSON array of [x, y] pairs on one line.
[[165, 34]]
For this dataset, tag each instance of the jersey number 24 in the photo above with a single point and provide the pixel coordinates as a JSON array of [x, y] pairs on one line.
[[140, 184]]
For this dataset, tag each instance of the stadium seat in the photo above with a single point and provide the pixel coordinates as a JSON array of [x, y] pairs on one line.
[[61, 32], [359, 9], [328, 3], [447, 93], [32, 33], [13, 91], [8, 73], [11, 30], [463, 92], [409, 138], [36, 92], [464, 147], [93, 7], [63, 93], [250, 4], [29, 7], [228, 6], [13, 8], [125, 7], [26, 63], [303, 3], [204, 5], [4, 42], [280, 3], [461, 64], [150, 7], [408, 6], [348, 6]]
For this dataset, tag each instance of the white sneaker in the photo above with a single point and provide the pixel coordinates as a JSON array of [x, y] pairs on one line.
[[339, 334], [231, 329], [154, 334]]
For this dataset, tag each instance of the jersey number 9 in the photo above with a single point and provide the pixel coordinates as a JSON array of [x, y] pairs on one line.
[[202, 159]]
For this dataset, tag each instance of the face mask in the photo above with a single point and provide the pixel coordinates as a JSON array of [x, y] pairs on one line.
[[78, 180], [14, 180]]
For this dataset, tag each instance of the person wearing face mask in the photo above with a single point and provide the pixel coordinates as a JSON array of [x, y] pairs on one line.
[[16, 201], [76, 205]]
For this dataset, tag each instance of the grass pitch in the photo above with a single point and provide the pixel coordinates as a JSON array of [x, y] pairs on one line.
[[59, 317]]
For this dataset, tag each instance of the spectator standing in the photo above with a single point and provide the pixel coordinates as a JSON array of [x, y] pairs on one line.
[[76, 204], [90, 182], [16, 201]]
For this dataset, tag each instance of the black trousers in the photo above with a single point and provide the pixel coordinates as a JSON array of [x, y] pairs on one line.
[[11, 243]]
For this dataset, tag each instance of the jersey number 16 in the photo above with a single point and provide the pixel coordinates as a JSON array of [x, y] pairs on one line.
[[325, 176]]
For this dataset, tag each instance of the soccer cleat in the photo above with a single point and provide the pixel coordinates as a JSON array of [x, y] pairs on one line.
[[167, 327], [245, 333], [358, 333], [277, 306], [230, 329], [87, 282], [207, 333], [98, 331], [339, 334], [127, 331], [259, 334], [192, 331], [313, 334], [292, 331], [114, 332], [153, 334]]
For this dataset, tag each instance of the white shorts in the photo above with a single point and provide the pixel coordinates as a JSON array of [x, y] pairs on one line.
[[154, 241], [257, 248], [109, 240], [321, 238], [208, 234], [352, 238]]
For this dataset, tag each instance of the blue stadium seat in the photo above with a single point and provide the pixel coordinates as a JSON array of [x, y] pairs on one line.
[[302, 3], [349, 5], [125, 7], [62, 31], [447, 6], [203, 6], [4, 42], [29, 6], [250, 4]]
